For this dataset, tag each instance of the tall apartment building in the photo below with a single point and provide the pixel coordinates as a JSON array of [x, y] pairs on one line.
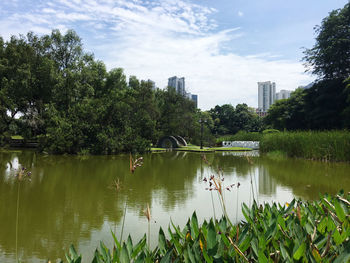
[[283, 94], [267, 95], [178, 84]]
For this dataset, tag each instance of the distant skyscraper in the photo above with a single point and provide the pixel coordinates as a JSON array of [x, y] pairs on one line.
[[267, 95], [194, 97], [283, 94], [178, 84], [152, 84]]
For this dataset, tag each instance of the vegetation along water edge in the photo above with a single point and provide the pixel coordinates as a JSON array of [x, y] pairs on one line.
[[300, 231]]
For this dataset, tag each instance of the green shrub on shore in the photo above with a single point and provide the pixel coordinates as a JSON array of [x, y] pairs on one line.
[[326, 145], [300, 231]]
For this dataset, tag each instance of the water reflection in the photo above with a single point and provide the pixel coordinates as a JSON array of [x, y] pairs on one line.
[[69, 199]]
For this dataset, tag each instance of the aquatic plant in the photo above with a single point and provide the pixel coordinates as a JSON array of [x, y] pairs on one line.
[[300, 231]]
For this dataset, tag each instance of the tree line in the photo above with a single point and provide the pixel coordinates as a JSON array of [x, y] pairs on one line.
[[52, 90]]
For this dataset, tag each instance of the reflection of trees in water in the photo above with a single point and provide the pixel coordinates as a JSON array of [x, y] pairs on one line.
[[69, 196], [308, 178], [231, 165]]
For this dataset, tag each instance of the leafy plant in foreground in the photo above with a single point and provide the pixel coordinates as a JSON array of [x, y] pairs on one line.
[[297, 232]]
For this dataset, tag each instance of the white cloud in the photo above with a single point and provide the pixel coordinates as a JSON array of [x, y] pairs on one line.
[[160, 39]]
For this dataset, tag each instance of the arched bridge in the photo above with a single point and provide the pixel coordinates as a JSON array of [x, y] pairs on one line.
[[174, 141]]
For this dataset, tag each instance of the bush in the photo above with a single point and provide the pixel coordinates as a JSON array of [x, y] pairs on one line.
[[267, 131]]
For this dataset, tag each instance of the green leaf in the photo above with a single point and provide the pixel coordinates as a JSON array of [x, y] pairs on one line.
[[211, 237], [167, 257], [300, 251], [139, 247], [206, 257], [339, 211], [284, 253], [262, 258], [316, 255], [116, 241], [194, 226], [162, 241], [190, 254], [124, 255]]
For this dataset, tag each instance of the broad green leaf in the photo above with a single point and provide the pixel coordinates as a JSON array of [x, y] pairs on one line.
[[161, 241], [316, 255], [261, 257], [300, 251], [124, 255], [194, 226], [339, 211], [211, 237], [167, 257]]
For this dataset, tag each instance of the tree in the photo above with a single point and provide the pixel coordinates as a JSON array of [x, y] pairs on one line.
[[330, 56]]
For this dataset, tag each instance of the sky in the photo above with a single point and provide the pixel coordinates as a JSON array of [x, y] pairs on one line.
[[221, 47]]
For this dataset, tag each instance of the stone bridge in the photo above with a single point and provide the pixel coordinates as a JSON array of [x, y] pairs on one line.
[[174, 141]]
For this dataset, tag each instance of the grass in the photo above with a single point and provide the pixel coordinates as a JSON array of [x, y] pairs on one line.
[[314, 145], [17, 137]]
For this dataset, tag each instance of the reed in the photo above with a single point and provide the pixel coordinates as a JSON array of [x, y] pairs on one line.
[[314, 145]]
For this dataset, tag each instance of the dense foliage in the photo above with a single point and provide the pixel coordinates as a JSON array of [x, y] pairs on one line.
[[53, 90], [326, 145], [326, 105], [229, 120], [299, 232]]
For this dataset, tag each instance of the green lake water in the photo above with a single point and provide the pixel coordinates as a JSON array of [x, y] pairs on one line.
[[69, 199]]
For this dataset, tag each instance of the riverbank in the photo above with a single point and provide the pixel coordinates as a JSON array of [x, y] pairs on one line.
[[310, 232], [194, 148], [313, 145]]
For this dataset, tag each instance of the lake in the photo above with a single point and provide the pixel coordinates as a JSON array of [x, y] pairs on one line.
[[72, 200]]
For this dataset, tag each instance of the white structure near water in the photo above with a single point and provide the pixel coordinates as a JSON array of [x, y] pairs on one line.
[[245, 144]]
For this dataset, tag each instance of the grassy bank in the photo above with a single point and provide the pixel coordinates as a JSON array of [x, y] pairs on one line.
[[326, 146], [296, 232]]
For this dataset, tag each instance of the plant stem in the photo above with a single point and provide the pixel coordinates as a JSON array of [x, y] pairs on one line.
[[212, 202], [121, 234], [18, 190]]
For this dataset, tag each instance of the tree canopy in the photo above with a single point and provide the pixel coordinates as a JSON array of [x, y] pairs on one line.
[[51, 89]]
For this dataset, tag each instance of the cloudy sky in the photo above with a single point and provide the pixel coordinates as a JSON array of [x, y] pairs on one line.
[[221, 47]]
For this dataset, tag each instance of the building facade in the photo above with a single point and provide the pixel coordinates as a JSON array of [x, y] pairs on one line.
[[283, 94], [179, 85], [266, 95]]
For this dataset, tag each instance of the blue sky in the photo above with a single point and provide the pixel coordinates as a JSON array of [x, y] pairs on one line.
[[222, 47]]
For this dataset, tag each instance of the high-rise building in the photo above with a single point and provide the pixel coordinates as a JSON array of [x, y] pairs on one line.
[[267, 95], [178, 84], [194, 97], [151, 83], [283, 94]]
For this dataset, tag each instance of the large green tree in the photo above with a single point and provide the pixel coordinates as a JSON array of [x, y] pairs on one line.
[[329, 58]]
